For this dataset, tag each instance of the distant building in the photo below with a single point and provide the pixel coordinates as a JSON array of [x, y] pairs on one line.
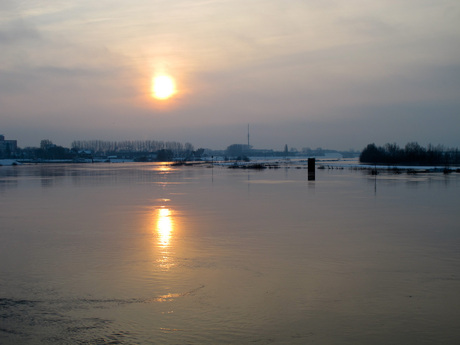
[[7, 147]]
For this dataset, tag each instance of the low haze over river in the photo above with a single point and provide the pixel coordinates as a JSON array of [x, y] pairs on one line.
[[157, 254]]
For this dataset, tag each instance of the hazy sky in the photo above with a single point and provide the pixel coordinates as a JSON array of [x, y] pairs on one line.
[[307, 73]]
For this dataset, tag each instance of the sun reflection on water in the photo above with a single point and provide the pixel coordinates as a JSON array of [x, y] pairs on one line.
[[164, 227], [164, 234], [164, 168]]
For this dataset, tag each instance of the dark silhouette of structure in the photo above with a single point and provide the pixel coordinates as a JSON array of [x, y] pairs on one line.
[[311, 169], [7, 147]]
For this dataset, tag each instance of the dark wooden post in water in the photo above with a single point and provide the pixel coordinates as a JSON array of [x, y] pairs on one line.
[[311, 169]]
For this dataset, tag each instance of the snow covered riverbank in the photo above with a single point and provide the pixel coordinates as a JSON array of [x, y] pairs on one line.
[[9, 162]]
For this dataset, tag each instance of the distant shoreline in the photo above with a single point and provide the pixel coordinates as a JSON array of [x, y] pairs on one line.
[[321, 164]]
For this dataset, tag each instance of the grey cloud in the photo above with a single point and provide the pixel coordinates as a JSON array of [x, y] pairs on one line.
[[367, 26], [17, 31], [29, 78]]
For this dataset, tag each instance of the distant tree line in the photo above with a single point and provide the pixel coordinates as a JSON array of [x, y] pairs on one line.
[[108, 147], [412, 154], [148, 150], [46, 151]]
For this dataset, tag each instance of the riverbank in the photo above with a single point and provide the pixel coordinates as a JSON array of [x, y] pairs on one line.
[[302, 163]]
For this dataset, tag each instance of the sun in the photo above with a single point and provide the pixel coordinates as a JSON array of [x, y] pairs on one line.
[[163, 87]]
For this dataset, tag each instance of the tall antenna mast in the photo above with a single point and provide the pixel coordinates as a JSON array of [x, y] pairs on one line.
[[248, 136]]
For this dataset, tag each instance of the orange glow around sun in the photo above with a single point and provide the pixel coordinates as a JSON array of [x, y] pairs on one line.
[[163, 87]]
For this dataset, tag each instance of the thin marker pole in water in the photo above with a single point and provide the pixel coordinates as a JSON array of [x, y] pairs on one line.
[[311, 169]]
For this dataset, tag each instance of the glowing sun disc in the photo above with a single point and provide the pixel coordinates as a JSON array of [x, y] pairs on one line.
[[163, 87]]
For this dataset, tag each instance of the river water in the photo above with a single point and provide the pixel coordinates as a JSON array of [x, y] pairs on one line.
[[155, 254]]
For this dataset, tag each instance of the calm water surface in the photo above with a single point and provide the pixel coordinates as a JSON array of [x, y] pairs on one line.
[[154, 254]]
